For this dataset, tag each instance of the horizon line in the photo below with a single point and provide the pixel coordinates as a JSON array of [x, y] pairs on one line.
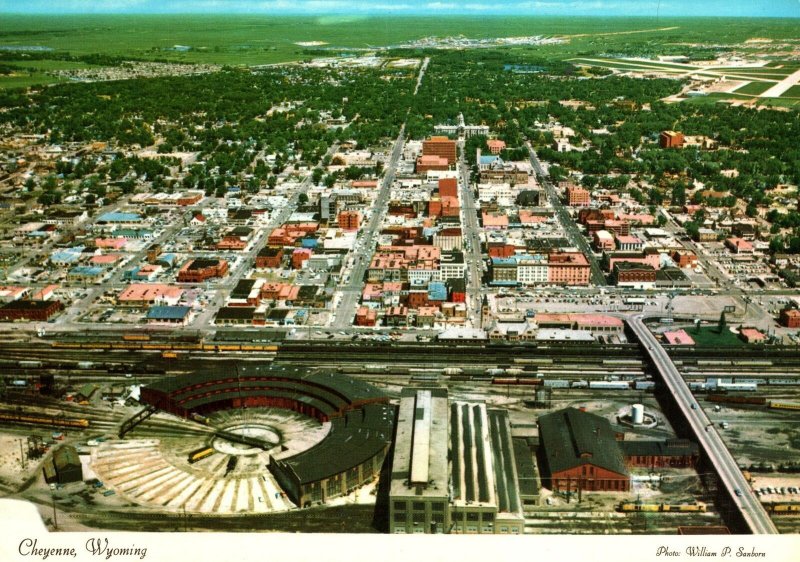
[[390, 14]]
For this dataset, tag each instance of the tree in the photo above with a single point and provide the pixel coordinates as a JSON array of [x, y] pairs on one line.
[[316, 175], [721, 324]]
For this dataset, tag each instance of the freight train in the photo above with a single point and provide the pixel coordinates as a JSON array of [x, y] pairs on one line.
[[149, 345], [632, 507], [42, 419], [782, 508], [752, 401]]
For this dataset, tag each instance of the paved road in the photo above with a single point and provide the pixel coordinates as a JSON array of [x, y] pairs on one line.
[[573, 234], [472, 242], [730, 476], [348, 295]]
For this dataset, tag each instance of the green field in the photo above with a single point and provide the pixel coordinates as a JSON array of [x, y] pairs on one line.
[[266, 39], [793, 92], [754, 88], [710, 336], [26, 79]]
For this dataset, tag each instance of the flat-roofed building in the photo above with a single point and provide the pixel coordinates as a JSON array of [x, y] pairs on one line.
[[578, 196], [418, 498], [454, 468], [440, 146], [146, 294]]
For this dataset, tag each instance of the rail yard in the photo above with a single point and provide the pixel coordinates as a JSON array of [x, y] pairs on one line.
[[187, 466]]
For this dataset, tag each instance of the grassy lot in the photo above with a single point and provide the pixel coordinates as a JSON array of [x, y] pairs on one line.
[[754, 88], [780, 102], [710, 336], [269, 39], [793, 92], [26, 79]]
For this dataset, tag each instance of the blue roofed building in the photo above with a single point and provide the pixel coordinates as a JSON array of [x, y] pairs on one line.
[[172, 315], [118, 218], [70, 255], [167, 260], [437, 291], [311, 243]]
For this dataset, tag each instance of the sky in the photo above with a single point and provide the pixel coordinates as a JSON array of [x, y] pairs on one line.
[[650, 8]]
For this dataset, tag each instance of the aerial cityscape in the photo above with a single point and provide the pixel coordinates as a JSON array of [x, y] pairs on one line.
[[410, 270]]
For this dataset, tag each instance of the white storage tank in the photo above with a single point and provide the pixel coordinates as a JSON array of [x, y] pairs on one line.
[[637, 414]]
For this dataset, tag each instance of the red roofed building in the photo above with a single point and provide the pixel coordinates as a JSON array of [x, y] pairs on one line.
[[145, 294], [366, 316], [202, 269], [365, 183], [739, 246], [448, 187], [678, 337], [499, 250], [496, 146], [751, 335], [431, 163]]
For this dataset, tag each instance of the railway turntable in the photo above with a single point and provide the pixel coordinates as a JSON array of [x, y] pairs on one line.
[[250, 438]]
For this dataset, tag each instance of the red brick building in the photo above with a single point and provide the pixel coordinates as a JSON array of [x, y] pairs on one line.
[[202, 269], [440, 146], [790, 318], [670, 139], [299, 257], [349, 220], [672, 453], [683, 258], [579, 451], [366, 316], [34, 310], [269, 257], [578, 196], [568, 268], [626, 272], [435, 207], [448, 187], [417, 299]]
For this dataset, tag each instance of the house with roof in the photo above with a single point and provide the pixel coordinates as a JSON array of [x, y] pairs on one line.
[[579, 451], [168, 315]]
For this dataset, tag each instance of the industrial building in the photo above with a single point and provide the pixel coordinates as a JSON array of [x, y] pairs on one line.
[[454, 468], [64, 466], [579, 452]]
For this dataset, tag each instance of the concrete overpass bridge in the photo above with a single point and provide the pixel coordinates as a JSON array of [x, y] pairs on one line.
[[745, 505]]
